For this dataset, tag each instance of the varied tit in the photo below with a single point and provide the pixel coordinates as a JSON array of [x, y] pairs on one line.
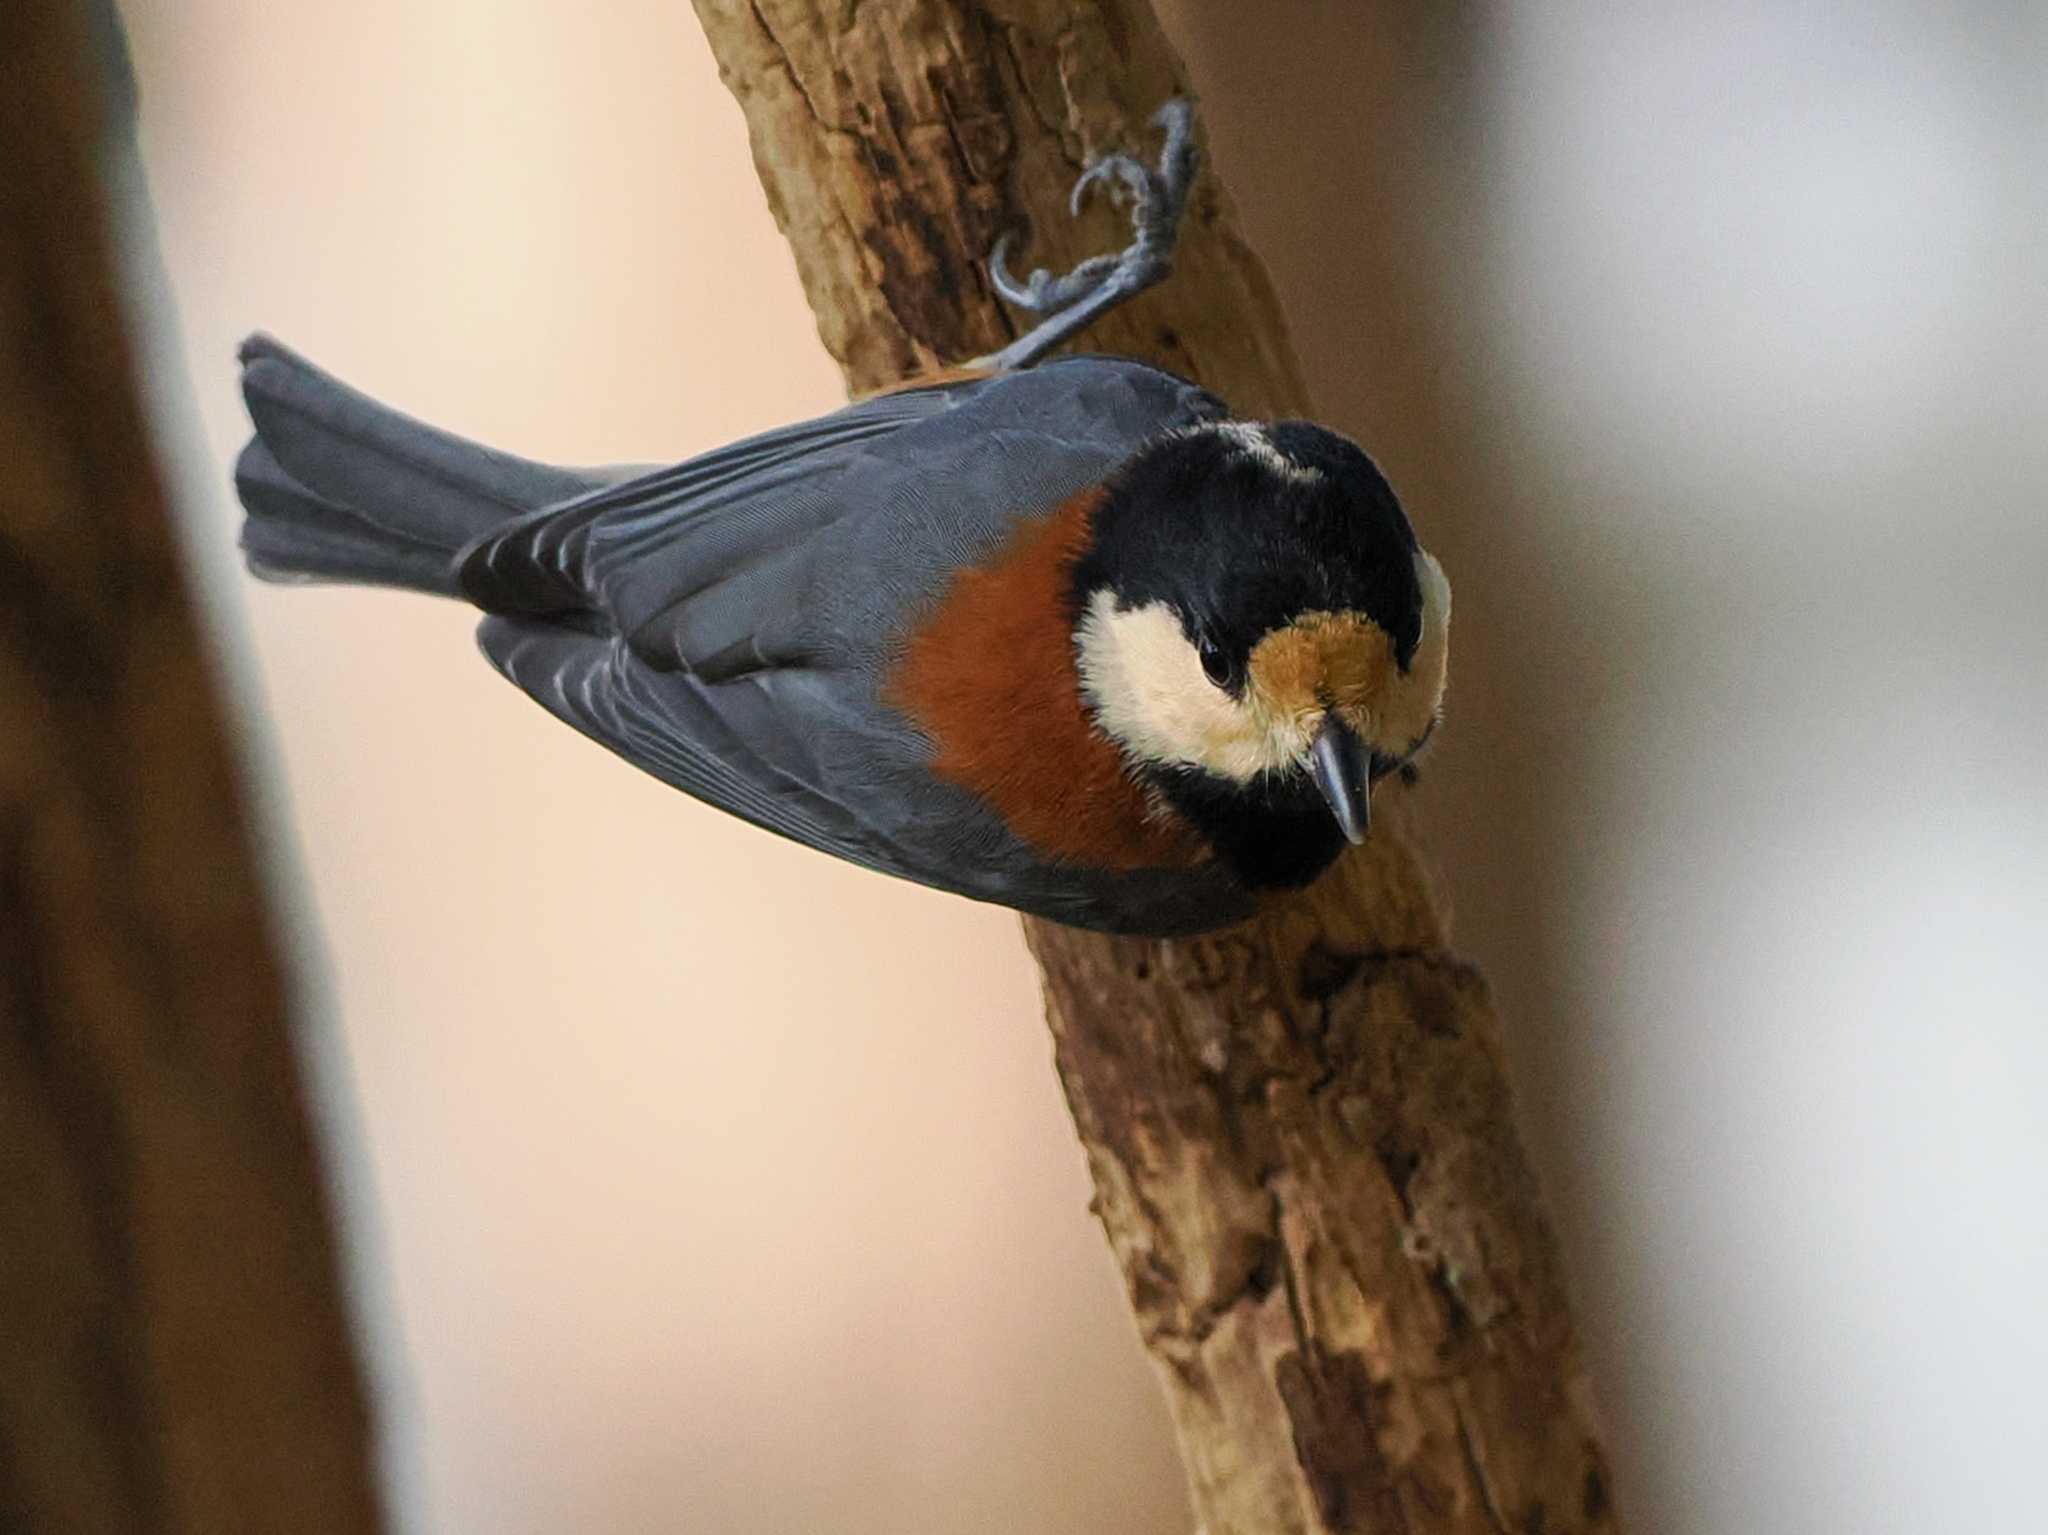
[[1067, 637]]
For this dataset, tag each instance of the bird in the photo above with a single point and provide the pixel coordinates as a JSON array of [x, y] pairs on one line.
[[1059, 633]]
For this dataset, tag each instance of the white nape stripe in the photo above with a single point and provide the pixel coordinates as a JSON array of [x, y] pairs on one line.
[[1252, 440]]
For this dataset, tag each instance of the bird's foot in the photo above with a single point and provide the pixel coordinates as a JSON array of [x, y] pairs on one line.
[[1073, 300]]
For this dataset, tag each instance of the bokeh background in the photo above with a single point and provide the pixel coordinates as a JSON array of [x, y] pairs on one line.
[[694, 1181]]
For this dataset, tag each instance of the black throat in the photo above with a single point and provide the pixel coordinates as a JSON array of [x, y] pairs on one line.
[[1274, 833]]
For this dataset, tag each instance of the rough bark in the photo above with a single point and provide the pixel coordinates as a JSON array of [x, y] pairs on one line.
[[1299, 1131], [174, 1353]]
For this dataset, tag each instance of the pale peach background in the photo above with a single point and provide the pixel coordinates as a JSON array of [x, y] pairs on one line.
[[697, 1182]]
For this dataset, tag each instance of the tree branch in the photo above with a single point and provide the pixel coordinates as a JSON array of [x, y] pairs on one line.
[[1299, 1131], [174, 1353]]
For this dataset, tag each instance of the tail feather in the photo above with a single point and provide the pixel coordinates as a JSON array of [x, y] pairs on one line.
[[341, 488], [293, 535]]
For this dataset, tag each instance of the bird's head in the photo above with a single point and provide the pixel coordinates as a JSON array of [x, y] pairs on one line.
[[1253, 611]]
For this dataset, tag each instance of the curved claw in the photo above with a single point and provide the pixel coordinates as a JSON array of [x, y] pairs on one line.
[[1138, 181], [1083, 182], [1042, 292], [1157, 197], [1006, 286]]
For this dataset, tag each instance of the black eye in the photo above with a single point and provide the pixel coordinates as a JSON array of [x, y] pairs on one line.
[[1215, 664]]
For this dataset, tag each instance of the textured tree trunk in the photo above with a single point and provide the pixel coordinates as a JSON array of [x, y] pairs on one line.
[[174, 1354], [1299, 1131]]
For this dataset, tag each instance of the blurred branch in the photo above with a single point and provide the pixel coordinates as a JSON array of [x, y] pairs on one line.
[[174, 1352], [1299, 1131]]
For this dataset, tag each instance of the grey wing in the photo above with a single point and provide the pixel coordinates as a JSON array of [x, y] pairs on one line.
[[727, 744], [725, 628], [807, 544], [789, 751], [552, 560], [779, 749]]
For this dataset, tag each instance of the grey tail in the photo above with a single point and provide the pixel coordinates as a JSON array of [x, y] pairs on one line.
[[340, 488]]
